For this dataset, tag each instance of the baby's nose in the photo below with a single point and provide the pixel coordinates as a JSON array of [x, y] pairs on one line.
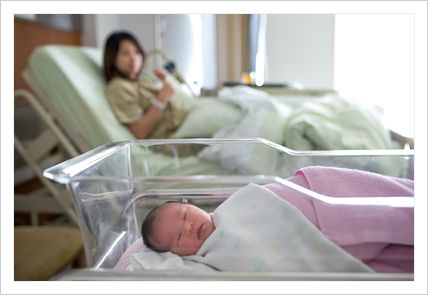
[[188, 228]]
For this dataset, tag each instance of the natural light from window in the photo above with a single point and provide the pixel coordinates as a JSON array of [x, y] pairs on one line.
[[374, 63]]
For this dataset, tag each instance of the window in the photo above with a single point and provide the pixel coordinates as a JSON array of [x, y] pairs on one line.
[[374, 63]]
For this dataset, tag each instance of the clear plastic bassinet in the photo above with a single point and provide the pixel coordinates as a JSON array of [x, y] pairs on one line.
[[115, 185]]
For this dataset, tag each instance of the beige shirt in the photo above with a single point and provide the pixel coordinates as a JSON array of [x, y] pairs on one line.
[[130, 99]]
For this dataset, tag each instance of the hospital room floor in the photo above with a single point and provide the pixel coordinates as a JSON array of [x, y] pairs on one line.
[[45, 250]]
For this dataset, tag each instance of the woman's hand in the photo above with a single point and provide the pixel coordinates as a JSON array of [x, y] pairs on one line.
[[166, 93], [160, 73], [149, 121]]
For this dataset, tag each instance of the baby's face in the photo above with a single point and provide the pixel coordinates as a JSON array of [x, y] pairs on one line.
[[181, 228]]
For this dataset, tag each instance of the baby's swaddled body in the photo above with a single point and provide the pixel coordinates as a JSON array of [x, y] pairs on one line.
[[258, 231]]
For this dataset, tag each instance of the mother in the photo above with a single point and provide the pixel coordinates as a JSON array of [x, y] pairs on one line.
[[148, 113]]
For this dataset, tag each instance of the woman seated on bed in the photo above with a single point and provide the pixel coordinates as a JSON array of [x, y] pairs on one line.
[[148, 113], [258, 223]]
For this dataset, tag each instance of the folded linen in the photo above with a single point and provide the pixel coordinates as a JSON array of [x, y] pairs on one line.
[[381, 236]]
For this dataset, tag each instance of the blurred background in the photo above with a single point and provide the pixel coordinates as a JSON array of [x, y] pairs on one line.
[[369, 57]]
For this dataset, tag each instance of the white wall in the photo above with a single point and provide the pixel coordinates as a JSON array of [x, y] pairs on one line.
[[97, 27], [299, 48], [104, 24], [374, 63], [142, 26], [89, 34]]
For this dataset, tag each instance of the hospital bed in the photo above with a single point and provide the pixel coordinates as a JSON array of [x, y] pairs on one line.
[[69, 84], [75, 119], [115, 185], [70, 100]]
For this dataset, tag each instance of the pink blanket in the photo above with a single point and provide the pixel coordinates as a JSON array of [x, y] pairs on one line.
[[381, 236]]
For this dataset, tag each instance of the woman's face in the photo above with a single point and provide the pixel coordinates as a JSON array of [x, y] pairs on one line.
[[128, 60]]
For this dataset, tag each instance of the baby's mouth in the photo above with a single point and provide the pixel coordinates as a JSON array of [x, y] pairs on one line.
[[200, 231]]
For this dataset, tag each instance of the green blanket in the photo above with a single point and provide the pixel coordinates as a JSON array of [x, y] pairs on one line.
[[335, 123], [327, 123]]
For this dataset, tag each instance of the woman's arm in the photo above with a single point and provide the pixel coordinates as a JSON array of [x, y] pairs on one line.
[[149, 121]]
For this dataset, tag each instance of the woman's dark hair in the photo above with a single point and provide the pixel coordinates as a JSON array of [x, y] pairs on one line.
[[147, 227], [111, 49]]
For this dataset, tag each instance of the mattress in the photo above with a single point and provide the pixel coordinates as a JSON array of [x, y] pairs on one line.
[[72, 79]]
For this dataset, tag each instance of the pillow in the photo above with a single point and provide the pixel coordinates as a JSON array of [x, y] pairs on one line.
[[207, 116], [183, 98]]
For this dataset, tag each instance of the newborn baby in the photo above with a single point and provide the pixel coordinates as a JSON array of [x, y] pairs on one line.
[[315, 233], [177, 227]]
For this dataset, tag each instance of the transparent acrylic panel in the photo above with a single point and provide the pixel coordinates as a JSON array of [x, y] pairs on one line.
[[116, 185]]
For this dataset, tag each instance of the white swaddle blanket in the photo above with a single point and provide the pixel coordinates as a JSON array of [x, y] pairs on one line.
[[258, 231]]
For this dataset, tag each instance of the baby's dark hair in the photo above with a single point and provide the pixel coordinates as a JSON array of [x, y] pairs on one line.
[[147, 228]]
